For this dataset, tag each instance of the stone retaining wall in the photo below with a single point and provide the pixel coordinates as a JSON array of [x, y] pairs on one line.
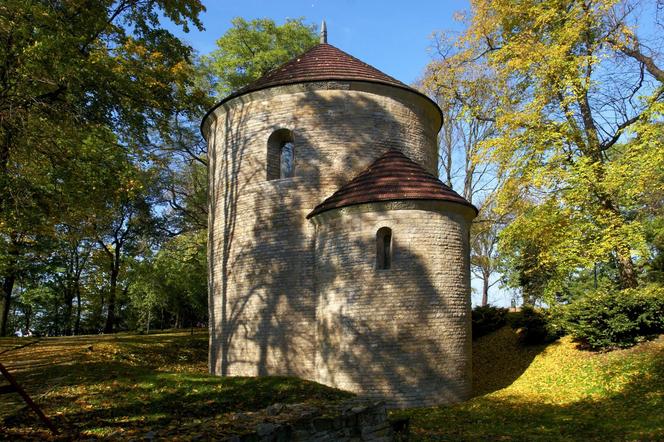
[[351, 421]]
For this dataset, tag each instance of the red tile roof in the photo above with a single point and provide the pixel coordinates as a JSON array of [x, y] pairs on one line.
[[392, 177], [323, 62]]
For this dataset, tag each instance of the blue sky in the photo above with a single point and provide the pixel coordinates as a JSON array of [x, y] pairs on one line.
[[393, 36]]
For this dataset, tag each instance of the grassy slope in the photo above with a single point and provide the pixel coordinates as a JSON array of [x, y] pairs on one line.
[[554, 392], [129, 386]]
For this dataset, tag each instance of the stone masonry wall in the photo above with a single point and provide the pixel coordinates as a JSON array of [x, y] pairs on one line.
[[350, 421], [262, 300], [401, 334]]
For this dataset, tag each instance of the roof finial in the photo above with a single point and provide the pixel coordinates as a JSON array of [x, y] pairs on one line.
[[323, 32]]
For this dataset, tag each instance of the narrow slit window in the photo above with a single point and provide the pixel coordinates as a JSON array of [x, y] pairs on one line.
[[280, 155], [384, 248], [287, 151]]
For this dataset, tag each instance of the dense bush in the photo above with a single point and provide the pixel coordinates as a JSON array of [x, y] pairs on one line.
[[487, 319], [606, 319], [535, 326]]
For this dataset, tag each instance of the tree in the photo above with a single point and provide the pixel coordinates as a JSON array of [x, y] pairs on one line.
[[465, 91], [175, 280], [249, 50], [484, 260], [127, 225], [68, 69], [110, 168], [72, 256], [574, 88]]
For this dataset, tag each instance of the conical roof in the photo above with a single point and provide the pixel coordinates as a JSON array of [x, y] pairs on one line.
[[392, 177], [323, 62]]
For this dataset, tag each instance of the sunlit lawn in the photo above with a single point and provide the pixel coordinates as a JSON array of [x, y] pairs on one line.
[[563, 394], [133, 386]]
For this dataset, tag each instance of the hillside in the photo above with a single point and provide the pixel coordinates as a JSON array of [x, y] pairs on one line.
[[134, 386], [554, 392]]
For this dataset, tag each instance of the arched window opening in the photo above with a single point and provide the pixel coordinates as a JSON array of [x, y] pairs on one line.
[[384, 248], [280, 155]]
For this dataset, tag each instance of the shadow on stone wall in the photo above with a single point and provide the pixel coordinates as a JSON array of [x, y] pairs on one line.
[[224, 188], [275, 308], [393, 347]]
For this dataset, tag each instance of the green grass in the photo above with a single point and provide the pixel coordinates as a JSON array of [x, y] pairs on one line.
[[133, 386], [129, 386], [554, 392]]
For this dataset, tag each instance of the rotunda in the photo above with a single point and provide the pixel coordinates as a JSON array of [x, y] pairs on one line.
[[335, 254]]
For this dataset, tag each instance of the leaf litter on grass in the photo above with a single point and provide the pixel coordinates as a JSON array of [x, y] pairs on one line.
[[553, 392], [126, 386]]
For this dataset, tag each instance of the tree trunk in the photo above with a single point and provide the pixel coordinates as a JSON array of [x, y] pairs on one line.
[[485, 289], [8, 285], [115, 271], [27, 312], [77, 326], [593, 150], [69, 309], [99, 316], [5, 305], [110, 314], [8, 282], [624, 263], [626, 270]]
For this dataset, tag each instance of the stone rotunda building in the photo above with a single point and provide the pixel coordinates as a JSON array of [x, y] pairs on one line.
[[335, 254]]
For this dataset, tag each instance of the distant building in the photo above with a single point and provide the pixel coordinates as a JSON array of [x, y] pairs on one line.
[[335, 254]]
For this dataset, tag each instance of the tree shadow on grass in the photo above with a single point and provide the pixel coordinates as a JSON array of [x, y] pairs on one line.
[[499, 360], [113, 399], [633, 413]]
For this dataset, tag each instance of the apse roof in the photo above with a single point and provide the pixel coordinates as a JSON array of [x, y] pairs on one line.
[[392, 177]]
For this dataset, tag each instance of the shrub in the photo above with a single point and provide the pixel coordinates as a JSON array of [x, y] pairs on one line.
[[487, 319], [606, 319], [535, 326]]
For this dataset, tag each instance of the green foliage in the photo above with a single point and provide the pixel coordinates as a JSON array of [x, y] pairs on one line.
[[487, 319], [578, 184], [608, 319], [85, 85], [175, 280], [654, 228], [535, 326], [103, 177], [252, 48]]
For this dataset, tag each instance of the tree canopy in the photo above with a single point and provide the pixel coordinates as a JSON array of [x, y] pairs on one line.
[[103, 183], [84, 84], [252, 48], [578, 136]]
